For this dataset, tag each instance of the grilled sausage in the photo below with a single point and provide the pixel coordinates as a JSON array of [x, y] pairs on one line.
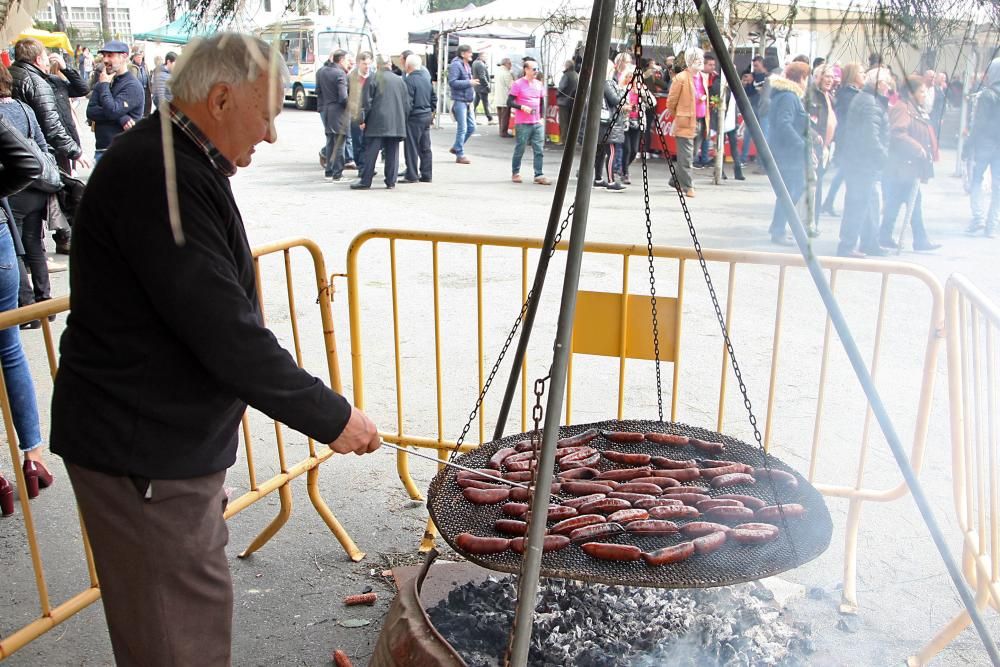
[[569, 451], [360, 598], [519, 476], [640, 487], [626, 516], [498, 458], [680, 474], [578, 454], [526, 445], [558, 512], [604, 551], [750, 501], [519, 466], [705, 446], [778, 476], [754, 533], [604, 506], [576, 502], [579, 473], [623, 436], [486, 496], [706, 505], [636, 459], [667, 439], [584, 488], [576, 522], [730, 514], [732, 479], [521, 494], [515, 509], [673, 464], [774, 512], [630, 497], [481, 474], [595, 532], [673, 512], [578, 439], [662, 482], [709, 543], [718, 463], [340, 659], [550, 543], [700, 528], [477, 484], [712, 473], [625, 474], [651, 527], [474, 544], [523, 456], [674, 554], [511, 526], [689, 498], [646, 504], [591, 460]]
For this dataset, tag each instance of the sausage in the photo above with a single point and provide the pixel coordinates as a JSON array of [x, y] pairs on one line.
[[674, 554], [360, 598], [511, 526], [718, 463], [627, 516], [640, 487], [578, 454], [708, 543], [579, 473], [521, 494], [591, 460], [519, 466], [340, 659], [486, 496], [550, 543], [700, 528], [706, 505], [604, 506], [646, 504], [579, 438], [518, 476], [515, 509], [662, 482], [637, 459], [498, 458], [558, 513], [477, 484], [630, 497], [523, 456], [774, 512], [750, 501], [777, 476], [651, 527], [568, 451], [754, 533], [623, 436], [733, 479], [705, 446], [576, 502], [673, 512], [625, 474], [730, 514], [525, 445], [673, 464], [579, 521], [584, 488], [680, 474], [689, 498], [480, 474], [596, 531], [605, 551], [667, 439], [712, 473], [474, 544]]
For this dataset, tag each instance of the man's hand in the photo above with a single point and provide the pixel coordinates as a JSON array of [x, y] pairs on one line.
[[475, 82], [104, 77], [82, 163], [525, 108], [128, 124], [359, 436]]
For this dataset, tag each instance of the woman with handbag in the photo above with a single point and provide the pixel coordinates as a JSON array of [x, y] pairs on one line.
[[19, 167], [30, 206]]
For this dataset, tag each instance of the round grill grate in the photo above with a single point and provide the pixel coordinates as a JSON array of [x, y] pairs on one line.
[[733, 563]]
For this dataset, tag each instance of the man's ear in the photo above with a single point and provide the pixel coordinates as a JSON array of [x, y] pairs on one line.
[[220, 99]]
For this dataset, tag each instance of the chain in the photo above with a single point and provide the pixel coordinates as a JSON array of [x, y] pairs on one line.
[[536, 435]]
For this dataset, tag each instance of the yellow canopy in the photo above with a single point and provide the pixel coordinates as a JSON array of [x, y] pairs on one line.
[[51, 40]]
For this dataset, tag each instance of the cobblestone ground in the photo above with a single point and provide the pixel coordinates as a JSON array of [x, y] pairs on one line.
[[288, 595]]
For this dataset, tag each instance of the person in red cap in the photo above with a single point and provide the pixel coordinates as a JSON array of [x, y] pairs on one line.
[[117, 101]]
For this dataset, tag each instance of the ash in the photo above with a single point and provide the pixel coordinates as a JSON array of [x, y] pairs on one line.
[[613, 626]]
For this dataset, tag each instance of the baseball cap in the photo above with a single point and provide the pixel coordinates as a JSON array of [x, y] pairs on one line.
[[114, 46]]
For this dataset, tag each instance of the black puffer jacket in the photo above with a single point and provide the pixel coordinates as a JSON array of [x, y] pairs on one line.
[[865, 143], [32, 87], [72, 86]]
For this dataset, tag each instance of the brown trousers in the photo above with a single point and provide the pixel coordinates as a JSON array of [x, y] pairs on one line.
[[503, 116], [161, 563]]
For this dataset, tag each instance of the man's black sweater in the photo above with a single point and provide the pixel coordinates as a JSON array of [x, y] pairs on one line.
[[165, 344]]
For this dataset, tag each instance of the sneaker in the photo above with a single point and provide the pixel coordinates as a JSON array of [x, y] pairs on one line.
[[616, 186], [600, 183], [516, 178], [461, 159], [740, 177], [33, 324], [690, 193], [541, 180], [453, 151], [350, 166]]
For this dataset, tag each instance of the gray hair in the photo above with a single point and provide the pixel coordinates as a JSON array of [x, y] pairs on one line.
[[225, 57], [876, 74], [414, 61], [693, 54]]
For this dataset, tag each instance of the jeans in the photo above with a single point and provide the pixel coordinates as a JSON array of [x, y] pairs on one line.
[[29, 208], [795, 181], [16, 373], [525, 133], [745, 149], [989, 161], [348, 148], [831, 195], [358, 142], [704, 144], [417, 147], [483, 97], [896, 194], [465, 119], [861, 212]]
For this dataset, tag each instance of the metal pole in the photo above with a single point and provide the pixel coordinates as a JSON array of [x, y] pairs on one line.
[[558, 197], [844, 332], [532, 561]]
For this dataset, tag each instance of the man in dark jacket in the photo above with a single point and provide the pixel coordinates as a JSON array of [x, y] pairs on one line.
[[985, 141], [865, 153], [153, 383], [31, 86], [117, 101], [357, 81], [423, 102], [66, 84], [161, 81], [481, 74], [383, 119], [461, 84], [851, 84], [137, 66], [565, 96], [331, 93]]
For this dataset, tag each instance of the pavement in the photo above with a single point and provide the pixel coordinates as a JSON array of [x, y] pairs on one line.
[[288, 595]]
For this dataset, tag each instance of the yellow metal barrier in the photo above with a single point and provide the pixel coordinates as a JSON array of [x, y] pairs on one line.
[[973, 324], [419, 324], [50, 615]]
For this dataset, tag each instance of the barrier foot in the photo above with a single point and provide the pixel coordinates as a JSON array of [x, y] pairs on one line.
[[285, 511], [430, 537], [403, 470], [849, 600], [947, 634], [312, 484]]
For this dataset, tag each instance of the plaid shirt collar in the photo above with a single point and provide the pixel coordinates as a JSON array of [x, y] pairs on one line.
[[187, 126]]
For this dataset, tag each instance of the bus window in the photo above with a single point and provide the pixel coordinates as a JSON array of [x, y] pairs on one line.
[[290, 47], [308, 55]]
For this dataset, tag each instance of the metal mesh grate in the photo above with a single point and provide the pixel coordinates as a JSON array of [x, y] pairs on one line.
[[733, 563]]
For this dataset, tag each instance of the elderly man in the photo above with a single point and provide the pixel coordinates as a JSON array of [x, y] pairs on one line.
[[117, 101], [331, 94], [137, 66], [423, 102], [504, 81], [383, 118], [153, 382]]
